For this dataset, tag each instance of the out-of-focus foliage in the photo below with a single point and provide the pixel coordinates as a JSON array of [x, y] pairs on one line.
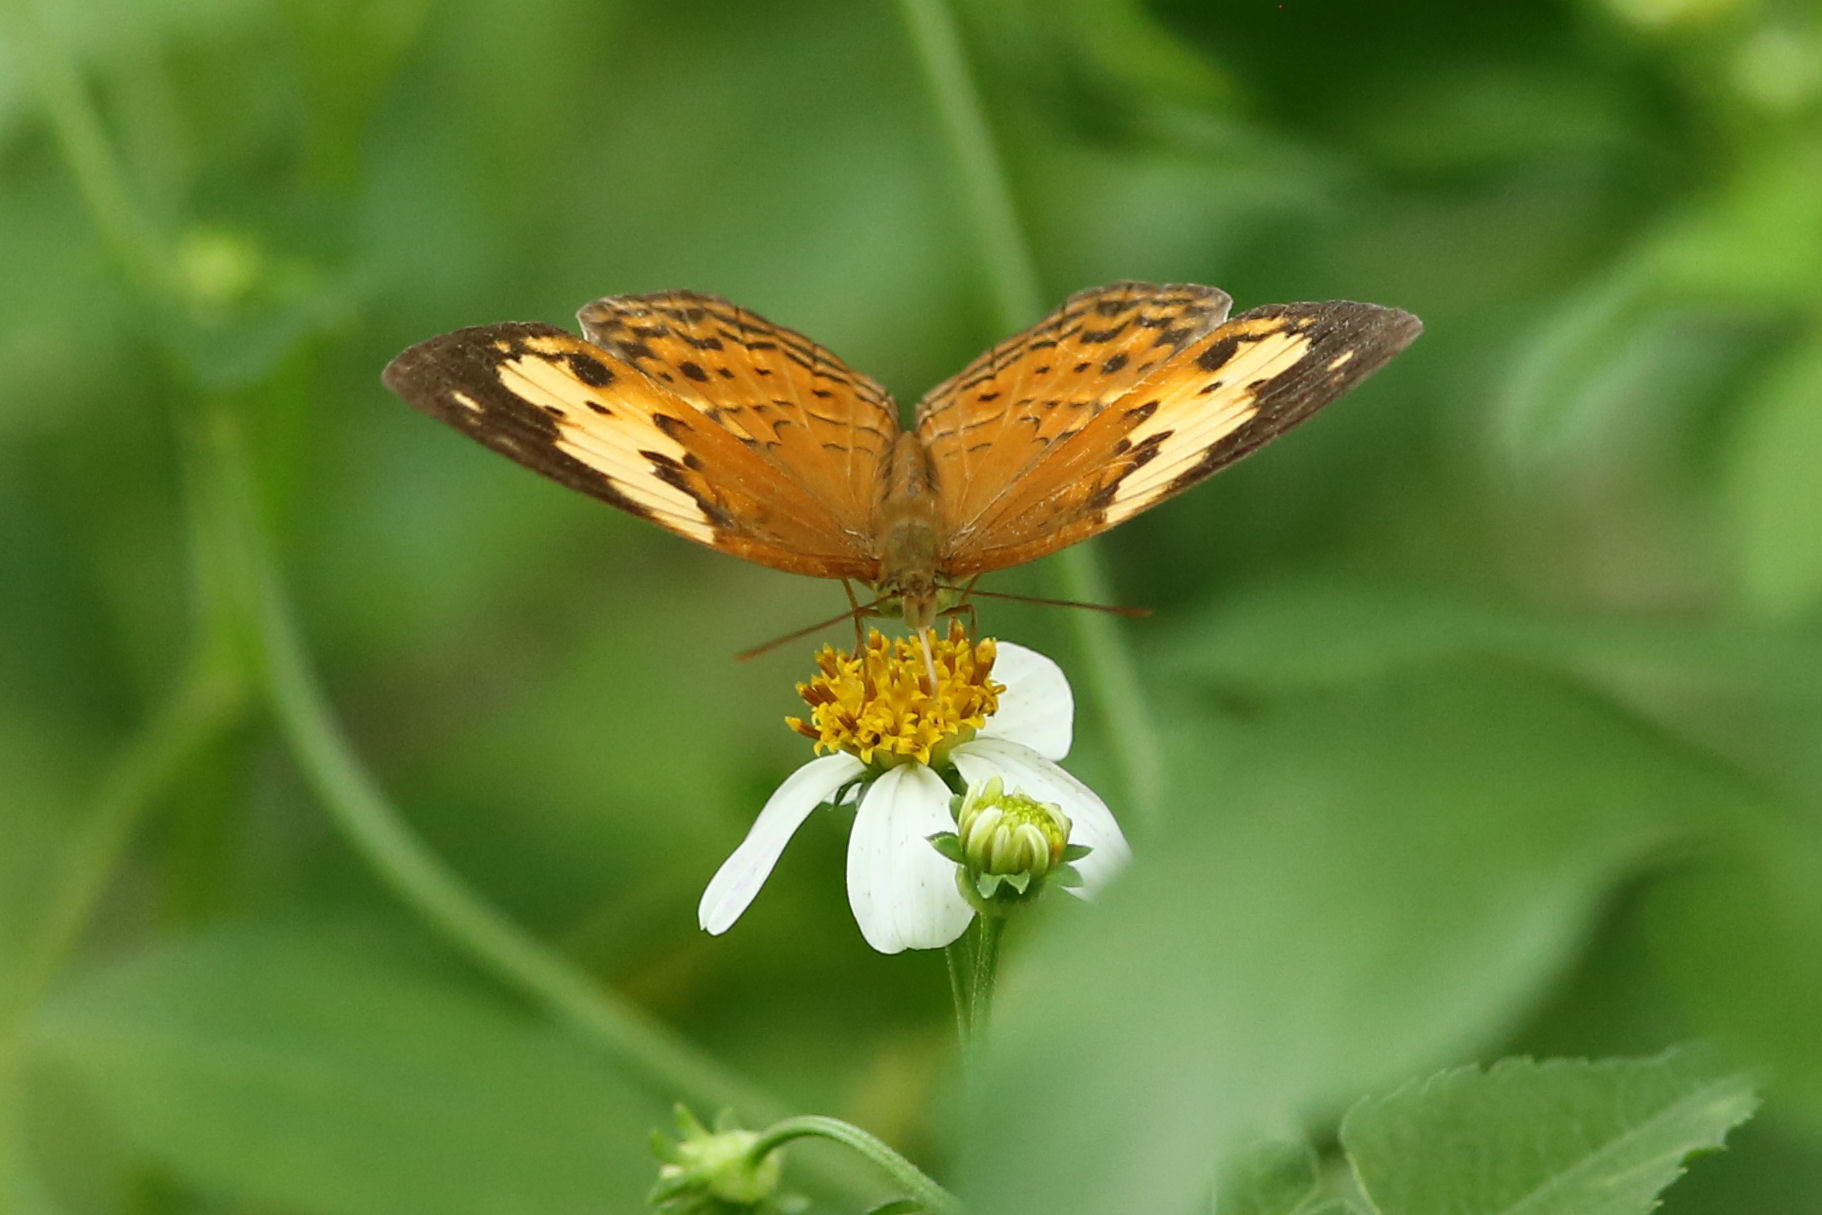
[[1569, 1137], [1490, 702]]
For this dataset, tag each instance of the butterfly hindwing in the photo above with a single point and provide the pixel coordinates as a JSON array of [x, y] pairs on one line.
[[1211, 403], [593, 421]]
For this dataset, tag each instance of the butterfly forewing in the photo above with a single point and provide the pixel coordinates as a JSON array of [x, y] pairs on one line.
[[986, 428], [818, 421], [1214, 401], [589, 419]]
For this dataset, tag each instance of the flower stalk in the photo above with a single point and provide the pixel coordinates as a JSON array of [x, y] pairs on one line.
[[921, 1188], [988, 930]]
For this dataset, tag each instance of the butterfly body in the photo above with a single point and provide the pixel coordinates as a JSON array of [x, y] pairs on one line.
[[910, 536], [742, 435]]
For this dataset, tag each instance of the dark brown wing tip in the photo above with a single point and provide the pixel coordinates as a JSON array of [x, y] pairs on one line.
[[421, 372], [1394, 324], [1376, 331], [406, 373], [1379, 332], [1396, 327]]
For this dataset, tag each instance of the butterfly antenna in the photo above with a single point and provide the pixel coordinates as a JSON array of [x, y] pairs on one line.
[[855, 612], [1114, 609]]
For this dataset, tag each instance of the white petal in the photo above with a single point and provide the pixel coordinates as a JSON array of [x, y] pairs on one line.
[[1025, 771], [902, 890], [744, 872], [1037, 708]]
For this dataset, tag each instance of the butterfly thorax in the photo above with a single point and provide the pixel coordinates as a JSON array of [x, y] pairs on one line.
[[910, 536]]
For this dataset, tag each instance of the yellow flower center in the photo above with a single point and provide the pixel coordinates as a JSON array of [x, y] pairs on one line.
[[878, 705]]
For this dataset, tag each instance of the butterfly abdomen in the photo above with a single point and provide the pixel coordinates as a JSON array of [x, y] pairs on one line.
[[910, 533]]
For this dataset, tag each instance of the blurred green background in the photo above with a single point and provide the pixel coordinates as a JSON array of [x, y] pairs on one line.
[[1481, 716]]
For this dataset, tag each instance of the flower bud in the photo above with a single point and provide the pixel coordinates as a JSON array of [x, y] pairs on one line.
[[704, 1171], [1005, 845]]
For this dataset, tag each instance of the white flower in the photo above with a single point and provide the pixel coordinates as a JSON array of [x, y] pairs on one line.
[[903, 892]]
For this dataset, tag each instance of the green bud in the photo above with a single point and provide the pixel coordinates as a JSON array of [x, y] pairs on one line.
[[1005, 846], [1003, 834], [219, 269], [705, 1171]]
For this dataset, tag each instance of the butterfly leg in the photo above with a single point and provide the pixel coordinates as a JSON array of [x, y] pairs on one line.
[[962, 607], [860, 640]]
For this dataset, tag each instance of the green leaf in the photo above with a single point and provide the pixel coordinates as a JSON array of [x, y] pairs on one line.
[[1772, 486], [289, 1073], [1562, 1137], [1275, 1178], [1738, 941]]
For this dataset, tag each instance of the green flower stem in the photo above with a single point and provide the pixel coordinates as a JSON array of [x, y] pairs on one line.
[[987, 931], [923, 1190], [1018, 301], [955, 954]]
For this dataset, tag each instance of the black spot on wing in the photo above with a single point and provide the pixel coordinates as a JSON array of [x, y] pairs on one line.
[[590, 370], [1216, 354]]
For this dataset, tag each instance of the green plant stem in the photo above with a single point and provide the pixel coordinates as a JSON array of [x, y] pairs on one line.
[[988, 931], [923, 1189], [207, 701], [77, 126], [1018, 300], [379, 834], [1011, 270], [211, 698], [955, 955]]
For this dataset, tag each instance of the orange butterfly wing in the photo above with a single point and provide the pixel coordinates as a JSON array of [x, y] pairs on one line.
[[988, 426], [1160, 421], [822, 424], [641, 433]]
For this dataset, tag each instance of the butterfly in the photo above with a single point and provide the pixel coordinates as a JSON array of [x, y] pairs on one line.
[[734, 432]]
